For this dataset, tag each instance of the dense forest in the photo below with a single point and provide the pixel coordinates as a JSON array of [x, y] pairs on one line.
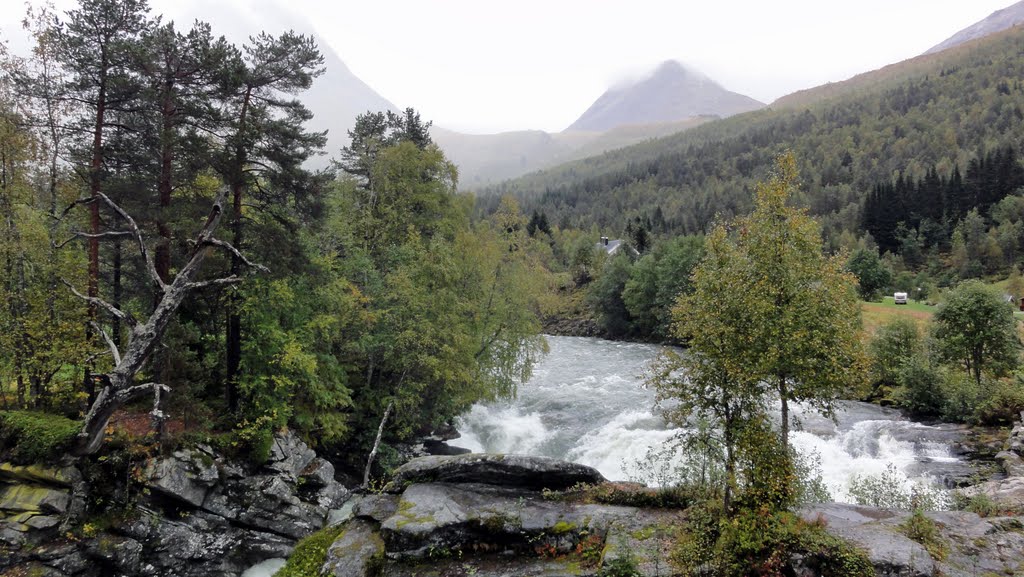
[[162, 235]]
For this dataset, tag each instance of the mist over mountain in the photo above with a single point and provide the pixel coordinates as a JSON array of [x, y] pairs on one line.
[[995, 22], [671, 93]]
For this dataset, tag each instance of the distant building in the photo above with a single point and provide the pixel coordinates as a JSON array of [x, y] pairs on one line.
[[612, 247]]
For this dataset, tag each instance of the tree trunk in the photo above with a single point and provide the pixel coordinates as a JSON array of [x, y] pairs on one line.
[[116, 331], [784, 396], [376, 444], [233, 337], [116, 385]]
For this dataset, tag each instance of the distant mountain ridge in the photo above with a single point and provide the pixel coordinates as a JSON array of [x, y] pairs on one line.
[[996, 22], [671, 93]]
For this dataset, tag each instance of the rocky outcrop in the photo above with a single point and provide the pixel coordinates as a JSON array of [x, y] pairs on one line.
[[519, 471], [1012, 455], [35, 499], [199, 514], [969, 544], [357, 552], [1006, 494], [486, 515]]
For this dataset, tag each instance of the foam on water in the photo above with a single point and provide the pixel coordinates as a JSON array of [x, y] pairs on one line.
[[586, 403], [264, 568]]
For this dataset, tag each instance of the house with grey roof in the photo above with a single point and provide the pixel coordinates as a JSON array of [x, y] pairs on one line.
[[612, 247]]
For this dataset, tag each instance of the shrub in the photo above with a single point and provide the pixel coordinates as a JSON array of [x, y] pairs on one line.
[[310, 553], [624, 566], [980, 504], [921, 387], [35, 436], [752, 543], [891, 490], [1001, 404], [961, 396], [894, 343], [925, 531]]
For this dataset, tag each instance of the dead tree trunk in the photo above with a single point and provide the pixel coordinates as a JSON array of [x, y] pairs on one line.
[[115, 388]]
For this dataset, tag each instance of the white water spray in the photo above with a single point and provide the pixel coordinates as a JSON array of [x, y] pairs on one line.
[[586, 403]]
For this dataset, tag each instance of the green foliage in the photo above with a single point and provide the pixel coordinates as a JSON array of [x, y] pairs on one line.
[[894, 344], [1002, 402], [310, 553], [33, 436], [622, 566], [979, 503], [976, 329], [655, 282], [891, 490], [873, 276], [629, 495], [921, 387], [758, 543], [769, 315], [923, 529], [434, 313], [606, 297]]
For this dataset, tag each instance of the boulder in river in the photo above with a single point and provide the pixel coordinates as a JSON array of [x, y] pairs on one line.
[[518, 471]]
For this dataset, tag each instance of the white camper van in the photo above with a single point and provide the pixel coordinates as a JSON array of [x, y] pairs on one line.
[[900, 298]]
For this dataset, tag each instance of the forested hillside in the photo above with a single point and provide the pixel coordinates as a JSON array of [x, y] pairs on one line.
[[934, 114]]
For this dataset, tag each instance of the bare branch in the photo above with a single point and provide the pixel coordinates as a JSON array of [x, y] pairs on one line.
[[121, 315], [238, 254], [130, 393], [109, 234], [79, 202], [230, 280], [110, 342], [138, 237]]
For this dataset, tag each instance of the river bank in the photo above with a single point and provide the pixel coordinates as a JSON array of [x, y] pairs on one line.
[[197, 513]]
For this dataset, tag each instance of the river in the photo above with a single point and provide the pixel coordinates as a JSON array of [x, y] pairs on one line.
[[586, 403]]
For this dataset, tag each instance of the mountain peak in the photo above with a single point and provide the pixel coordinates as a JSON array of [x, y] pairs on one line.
[[996, 22], [671, 92]]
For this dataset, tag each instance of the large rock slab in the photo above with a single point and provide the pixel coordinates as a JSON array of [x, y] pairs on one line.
[[972, 545], [358, 552], [186, 476], [434, 517], [520, 471], [33, 499], [60, 477], [1005, 493]]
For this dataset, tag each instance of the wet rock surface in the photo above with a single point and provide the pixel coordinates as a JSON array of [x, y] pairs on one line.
[[198, 514], [519, 471]]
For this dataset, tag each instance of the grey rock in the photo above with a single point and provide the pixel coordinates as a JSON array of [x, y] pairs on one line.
[[974, 546], [33, 498], [376, 507], [54, 476], [1006, 493], [439, 517], [318, 473], [289, 455], [520, 471], [186, 476], [891, 552], [357, 552], [124, 553]]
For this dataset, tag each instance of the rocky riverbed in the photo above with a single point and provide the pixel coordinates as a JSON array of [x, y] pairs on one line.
[[200, 514]]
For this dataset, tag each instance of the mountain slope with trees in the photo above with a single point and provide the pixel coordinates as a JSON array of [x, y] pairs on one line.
[[933, 113]]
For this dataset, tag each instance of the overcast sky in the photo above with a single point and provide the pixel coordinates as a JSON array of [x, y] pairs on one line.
[[486, 66]]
